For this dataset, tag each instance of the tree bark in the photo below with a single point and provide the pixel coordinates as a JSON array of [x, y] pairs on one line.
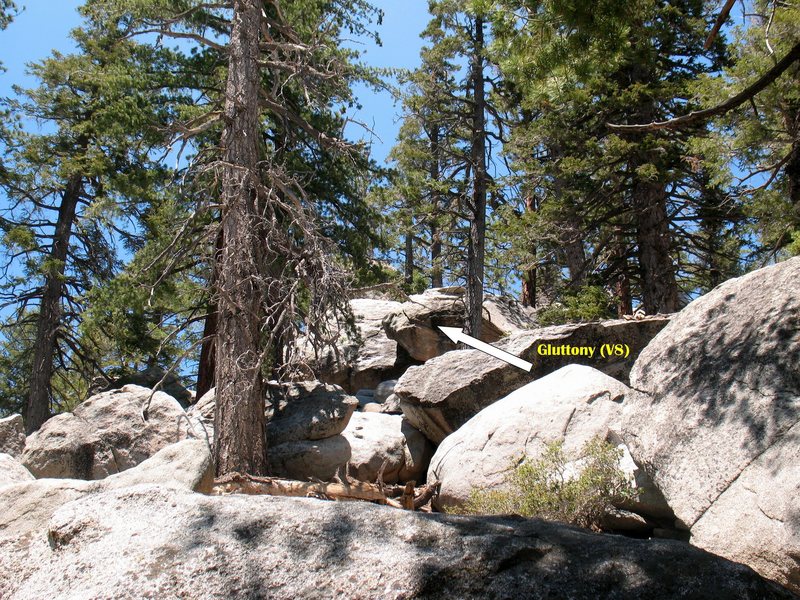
[[659, 288], [528, 295], [208, 350], [239, 422], [436, 236], [408, 270], [207, 362], [622, 287], [791, 118], [477, 230], [38, 407]]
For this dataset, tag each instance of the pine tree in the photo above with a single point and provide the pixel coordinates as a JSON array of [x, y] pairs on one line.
[[281, 77], [760, 138], [67, 189], [443, 148], [602, 194]]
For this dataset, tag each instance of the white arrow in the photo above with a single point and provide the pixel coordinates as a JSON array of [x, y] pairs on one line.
[[456, 335]]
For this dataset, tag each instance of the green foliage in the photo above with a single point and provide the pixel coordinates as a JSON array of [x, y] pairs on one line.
[[556, 487], [590, 303], [754, 151]]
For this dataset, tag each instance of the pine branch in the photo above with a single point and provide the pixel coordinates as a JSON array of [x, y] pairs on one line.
[[703, 115]]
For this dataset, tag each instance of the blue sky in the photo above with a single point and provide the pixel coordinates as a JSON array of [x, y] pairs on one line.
[[45, 25]]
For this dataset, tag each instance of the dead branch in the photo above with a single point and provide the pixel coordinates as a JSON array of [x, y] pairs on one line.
[[397, 496], [235, 483], [721, 18], [740, 98], [425, 494]]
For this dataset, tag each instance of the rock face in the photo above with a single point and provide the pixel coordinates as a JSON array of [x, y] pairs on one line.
[[375, 438], [572, 405], [305, 420], [310, 459], [415, 323], [307, 410], [149, 378], [104, 435], [368, 358], [384, 390], [12, 471], [718, 421], [444, 393], [12, 435], [27, 507], [152, 542]]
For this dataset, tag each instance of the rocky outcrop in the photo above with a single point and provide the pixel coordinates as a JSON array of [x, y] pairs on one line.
[[303, 431], [572, 405], [149, 378], [364, 357], [415, 324], [376, 439], [444, 393], [310, 459], [305, 421], [717, 422], [148, 542], [12, 435], [300, 450], [384, 390], [391, 406], [12, 471], [104, 435], [27, 507], [307, 410]]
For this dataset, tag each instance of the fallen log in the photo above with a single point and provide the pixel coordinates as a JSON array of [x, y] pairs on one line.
[[236, 483], [398, 496]]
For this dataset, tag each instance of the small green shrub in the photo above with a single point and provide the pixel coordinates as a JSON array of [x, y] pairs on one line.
[[590, 303], [555, 488]]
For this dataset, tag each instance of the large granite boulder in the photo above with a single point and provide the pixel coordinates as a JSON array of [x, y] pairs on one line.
[[12, 471], [415, 324], [304, 427], [363, 358], [104, 435], [307, 410], [444, 393], [148, 378], [28, 506], [152, 542], [310, 459], [717, 422], [572, 405], [377, 438], [366, 440], [305, 420], [12, 435]]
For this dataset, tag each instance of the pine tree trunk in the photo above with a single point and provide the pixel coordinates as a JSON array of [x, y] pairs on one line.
[[791, 120], [408, 273], [239, 423], [659, 288], [206, 364], [622, 289], [436, 239], [48, 321], [528, 295], [477, 229], [208, 350]]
